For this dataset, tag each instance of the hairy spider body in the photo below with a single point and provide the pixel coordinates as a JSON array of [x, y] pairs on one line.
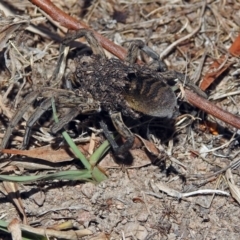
[[130, 89], [110, 85]]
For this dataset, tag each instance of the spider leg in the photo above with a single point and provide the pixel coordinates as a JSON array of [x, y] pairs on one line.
[[28, 100], [133, 49], [91, 39], [184, 79], [45, 105], [87, 107], [137, 45], [65, 120], [123, 131]]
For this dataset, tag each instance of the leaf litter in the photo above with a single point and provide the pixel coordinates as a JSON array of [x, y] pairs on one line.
[[134, 202]]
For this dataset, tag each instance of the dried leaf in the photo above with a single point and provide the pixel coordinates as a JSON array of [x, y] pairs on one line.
[[47, 153], [15, 230], [149, 146], [235, 47], [214, 72], [235, 191]]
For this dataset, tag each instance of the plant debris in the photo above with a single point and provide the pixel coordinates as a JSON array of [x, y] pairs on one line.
[[192, 191]]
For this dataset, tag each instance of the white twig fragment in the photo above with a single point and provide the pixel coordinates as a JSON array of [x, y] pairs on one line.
[[174, 193], [205, 191]]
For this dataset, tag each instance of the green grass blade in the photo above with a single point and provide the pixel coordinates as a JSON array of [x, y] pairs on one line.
[[76, 151], [83, 175], [99, 152], [70, 142], [97, 174]]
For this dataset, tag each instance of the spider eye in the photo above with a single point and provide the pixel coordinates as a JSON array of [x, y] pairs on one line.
[[85, 60], [131, 75], [84, 63]]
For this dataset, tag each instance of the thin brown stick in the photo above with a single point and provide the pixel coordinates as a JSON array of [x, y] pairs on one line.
[[212, 109], [71, 23]]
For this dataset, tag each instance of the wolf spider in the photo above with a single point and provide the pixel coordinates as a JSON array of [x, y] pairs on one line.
[[111, 85]]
